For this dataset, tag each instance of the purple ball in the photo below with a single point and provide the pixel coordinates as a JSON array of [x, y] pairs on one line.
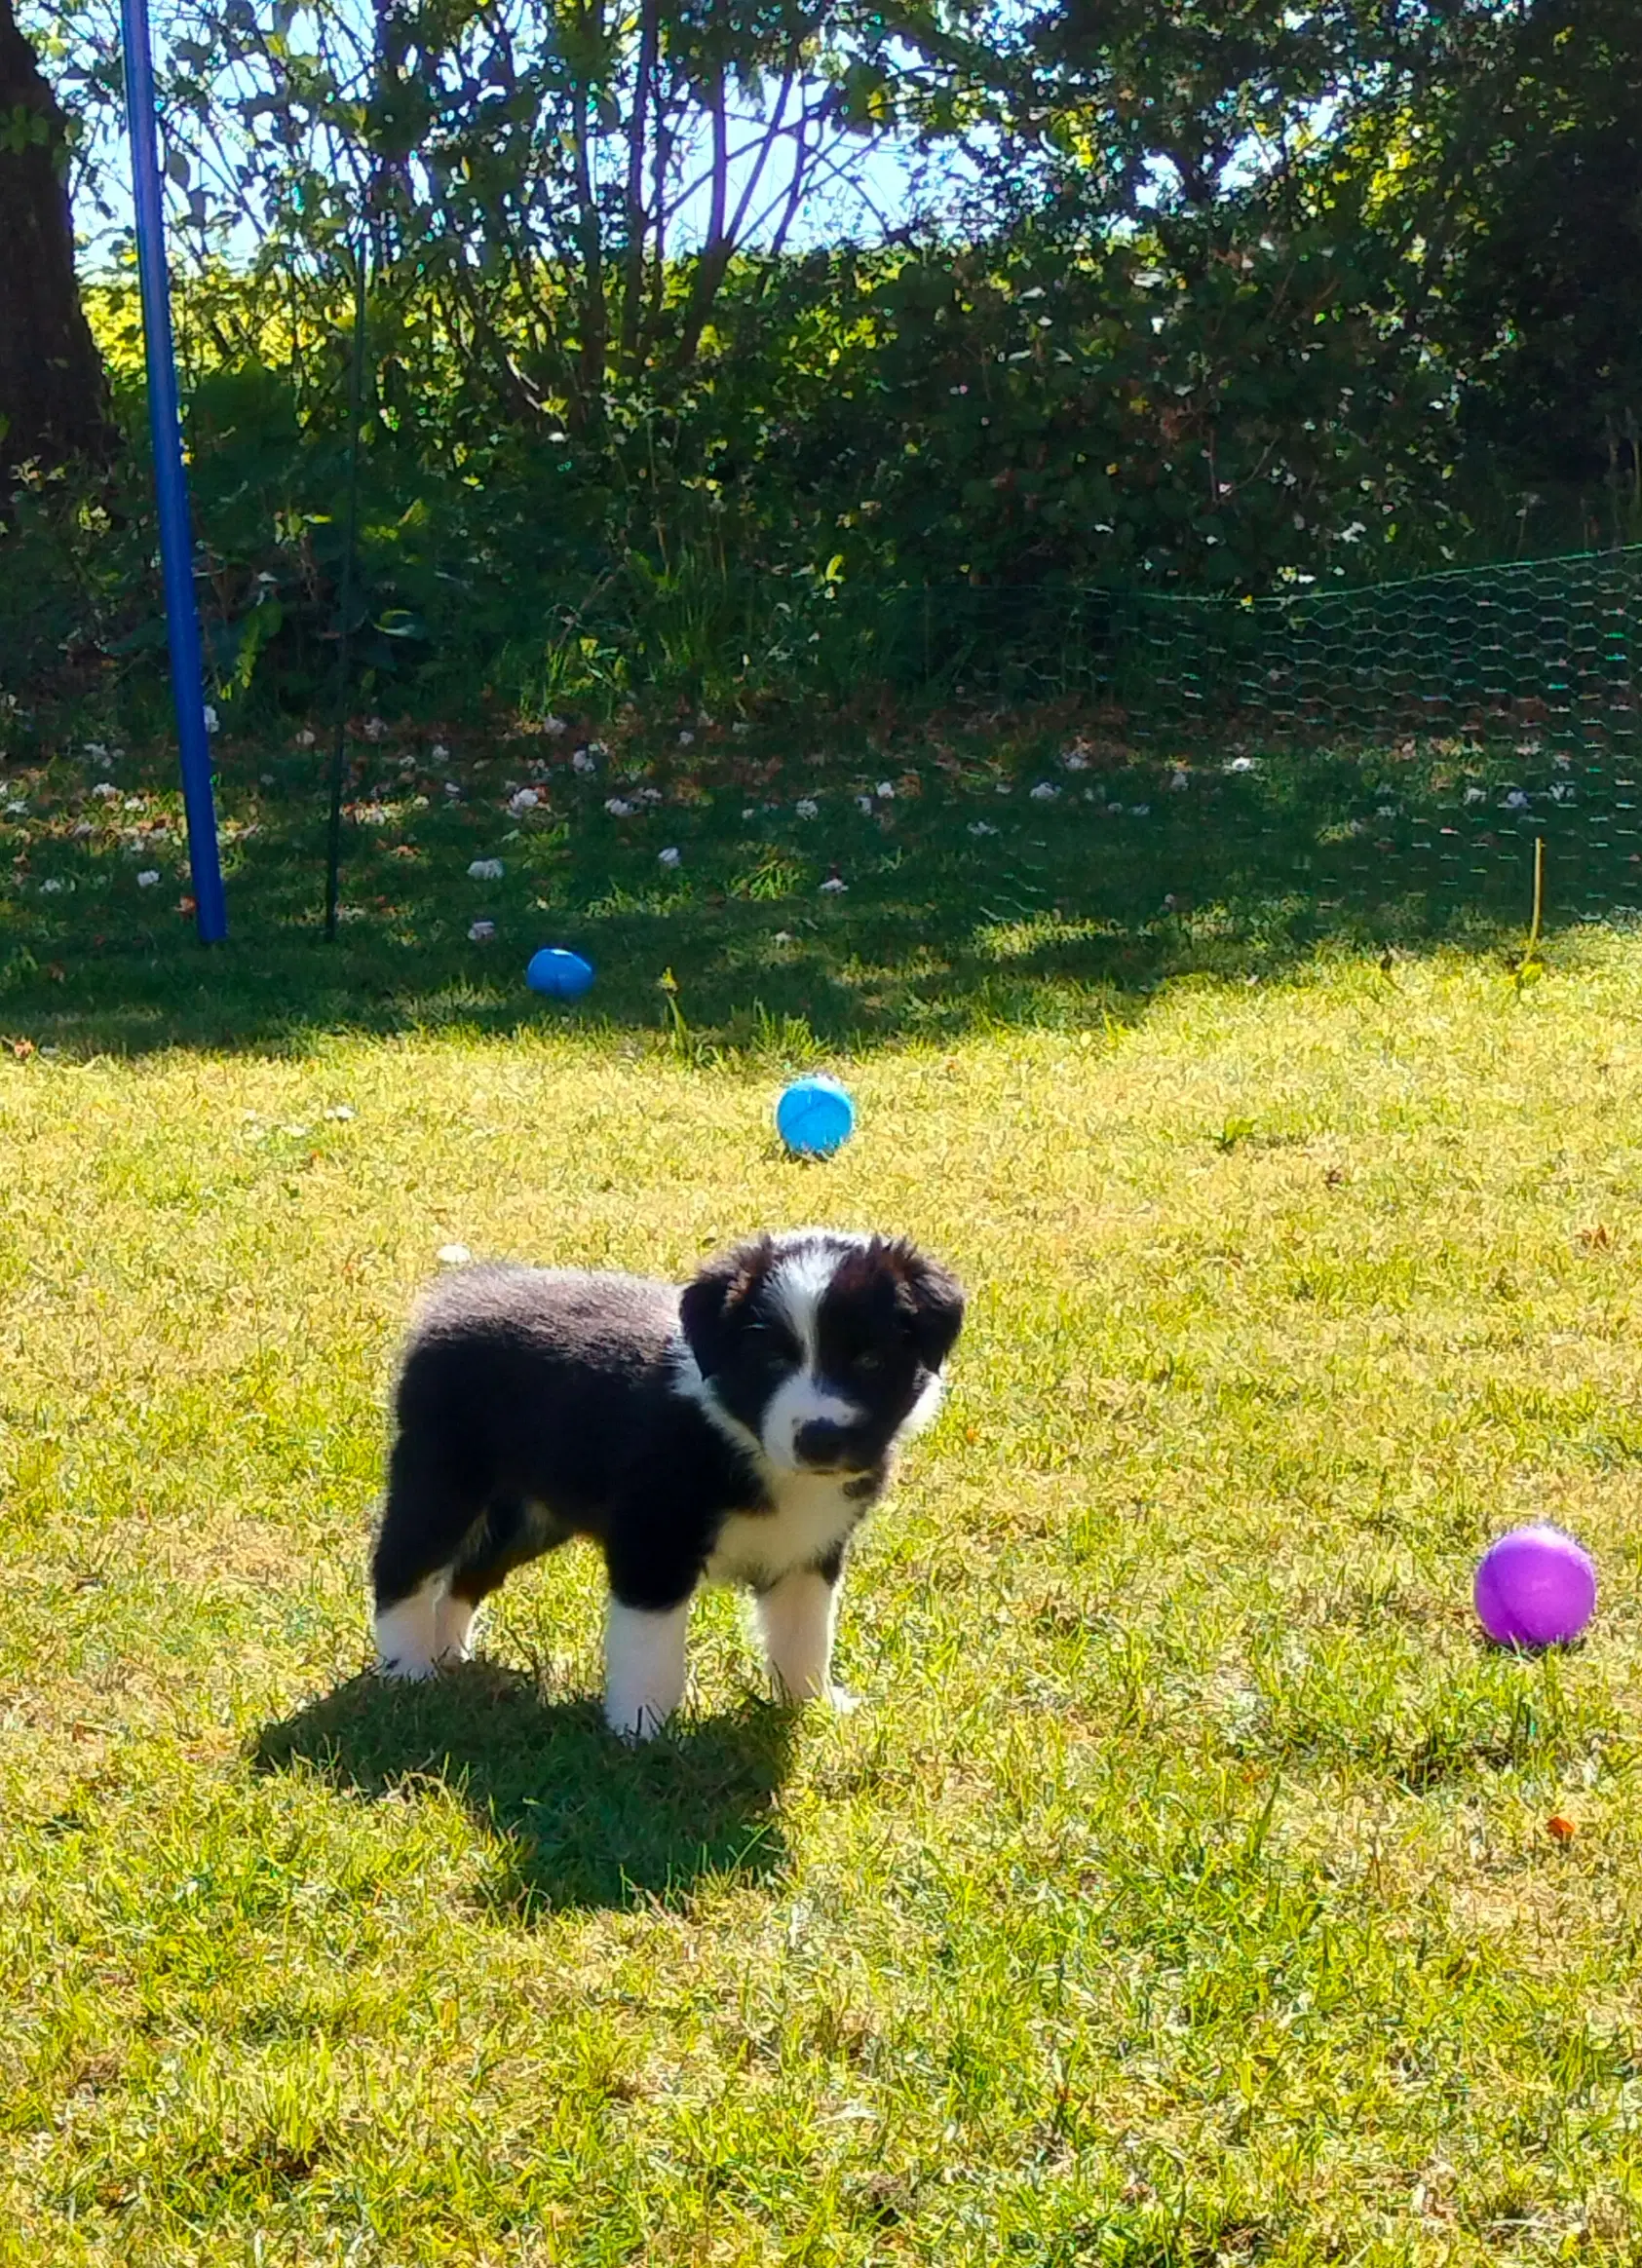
[[1535, 1587]]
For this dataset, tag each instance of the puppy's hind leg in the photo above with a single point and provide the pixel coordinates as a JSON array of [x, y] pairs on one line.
[[424, 1525], [510, 1535]]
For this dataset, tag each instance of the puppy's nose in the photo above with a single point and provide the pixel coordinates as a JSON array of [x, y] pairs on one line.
[[821, 1443]]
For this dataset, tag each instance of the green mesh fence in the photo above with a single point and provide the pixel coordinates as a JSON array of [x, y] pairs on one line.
[[1433, 728], [1504, 703]]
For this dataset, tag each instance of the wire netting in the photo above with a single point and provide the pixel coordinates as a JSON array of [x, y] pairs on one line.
[[1434, 726]]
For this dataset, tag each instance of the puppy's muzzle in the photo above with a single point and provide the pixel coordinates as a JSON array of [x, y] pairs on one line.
[[823, 1446]]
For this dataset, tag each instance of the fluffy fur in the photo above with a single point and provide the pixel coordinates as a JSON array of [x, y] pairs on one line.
[[736, 1432]]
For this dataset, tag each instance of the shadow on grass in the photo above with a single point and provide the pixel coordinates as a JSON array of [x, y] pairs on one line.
[[580, 1820], [971, 903]]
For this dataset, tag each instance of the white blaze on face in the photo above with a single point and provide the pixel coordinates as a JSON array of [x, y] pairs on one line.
[[797, 1289]]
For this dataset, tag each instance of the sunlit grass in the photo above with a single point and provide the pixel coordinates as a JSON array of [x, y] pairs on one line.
[[1184, 1893]]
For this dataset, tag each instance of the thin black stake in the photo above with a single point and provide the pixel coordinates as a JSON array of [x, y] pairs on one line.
[[339, 753]]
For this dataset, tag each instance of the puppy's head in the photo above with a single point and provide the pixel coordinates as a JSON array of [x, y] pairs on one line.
[[826, 1347]]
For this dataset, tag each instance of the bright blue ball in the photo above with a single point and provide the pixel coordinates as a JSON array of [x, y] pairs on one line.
[[561, 975], [815, 1116]]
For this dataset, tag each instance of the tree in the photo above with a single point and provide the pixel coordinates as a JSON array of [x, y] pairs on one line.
[[1547, 283], [52, 397]]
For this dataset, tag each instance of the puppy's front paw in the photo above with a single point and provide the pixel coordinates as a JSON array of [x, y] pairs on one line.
[[842, 1702], [634, 1722], [406, 1670]]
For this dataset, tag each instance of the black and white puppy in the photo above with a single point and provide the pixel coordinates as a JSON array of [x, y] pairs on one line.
[[737, 1432]]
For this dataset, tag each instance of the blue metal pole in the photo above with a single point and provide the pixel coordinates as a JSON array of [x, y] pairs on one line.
[[171, 486]]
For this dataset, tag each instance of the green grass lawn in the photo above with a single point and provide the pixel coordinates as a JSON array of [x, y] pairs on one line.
[[1184, 1892]]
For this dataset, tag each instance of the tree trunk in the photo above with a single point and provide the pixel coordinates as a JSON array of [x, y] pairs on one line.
[[53, 403]]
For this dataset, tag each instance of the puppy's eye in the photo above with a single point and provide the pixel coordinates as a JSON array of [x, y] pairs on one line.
[[867, 1361]]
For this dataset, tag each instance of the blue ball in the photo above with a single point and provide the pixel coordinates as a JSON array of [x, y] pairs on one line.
[[560, 974], [815, 1116]]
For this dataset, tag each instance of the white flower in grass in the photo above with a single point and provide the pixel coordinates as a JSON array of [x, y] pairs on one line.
[[453, 1256], [481, 933], [749, 810], [1002, 788], [668, 857], [526, 800], [886, 789], [1045, 791], [807, 807], [1562, 760], [740, 728], [1238, 764], [451, 789], [19, 811], [1073, 760], [584, 762], [1476, 795], [1180, 781], [307, 738], [650, 795], [980, 828], [439, 753], [1562, 791], [82, 830], [106, 791], [486, 870], [619, 808], [686, 740], [833, 883], [97, 751], [1516, 800], [1386, 812], [148, 878], [555, 727], [341, 1111], [211, 718], [375, 729], [864, 803], [784, 937], [1139, 810], [53, 886]]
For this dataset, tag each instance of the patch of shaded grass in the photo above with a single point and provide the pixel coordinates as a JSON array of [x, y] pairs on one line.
[[1022, 876], [570, 1830]]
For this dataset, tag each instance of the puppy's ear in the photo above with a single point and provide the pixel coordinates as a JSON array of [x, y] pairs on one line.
[[708, 1306], [935, 1299]]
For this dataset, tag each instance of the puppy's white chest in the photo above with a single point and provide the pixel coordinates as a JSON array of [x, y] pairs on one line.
[[812, 1515]]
